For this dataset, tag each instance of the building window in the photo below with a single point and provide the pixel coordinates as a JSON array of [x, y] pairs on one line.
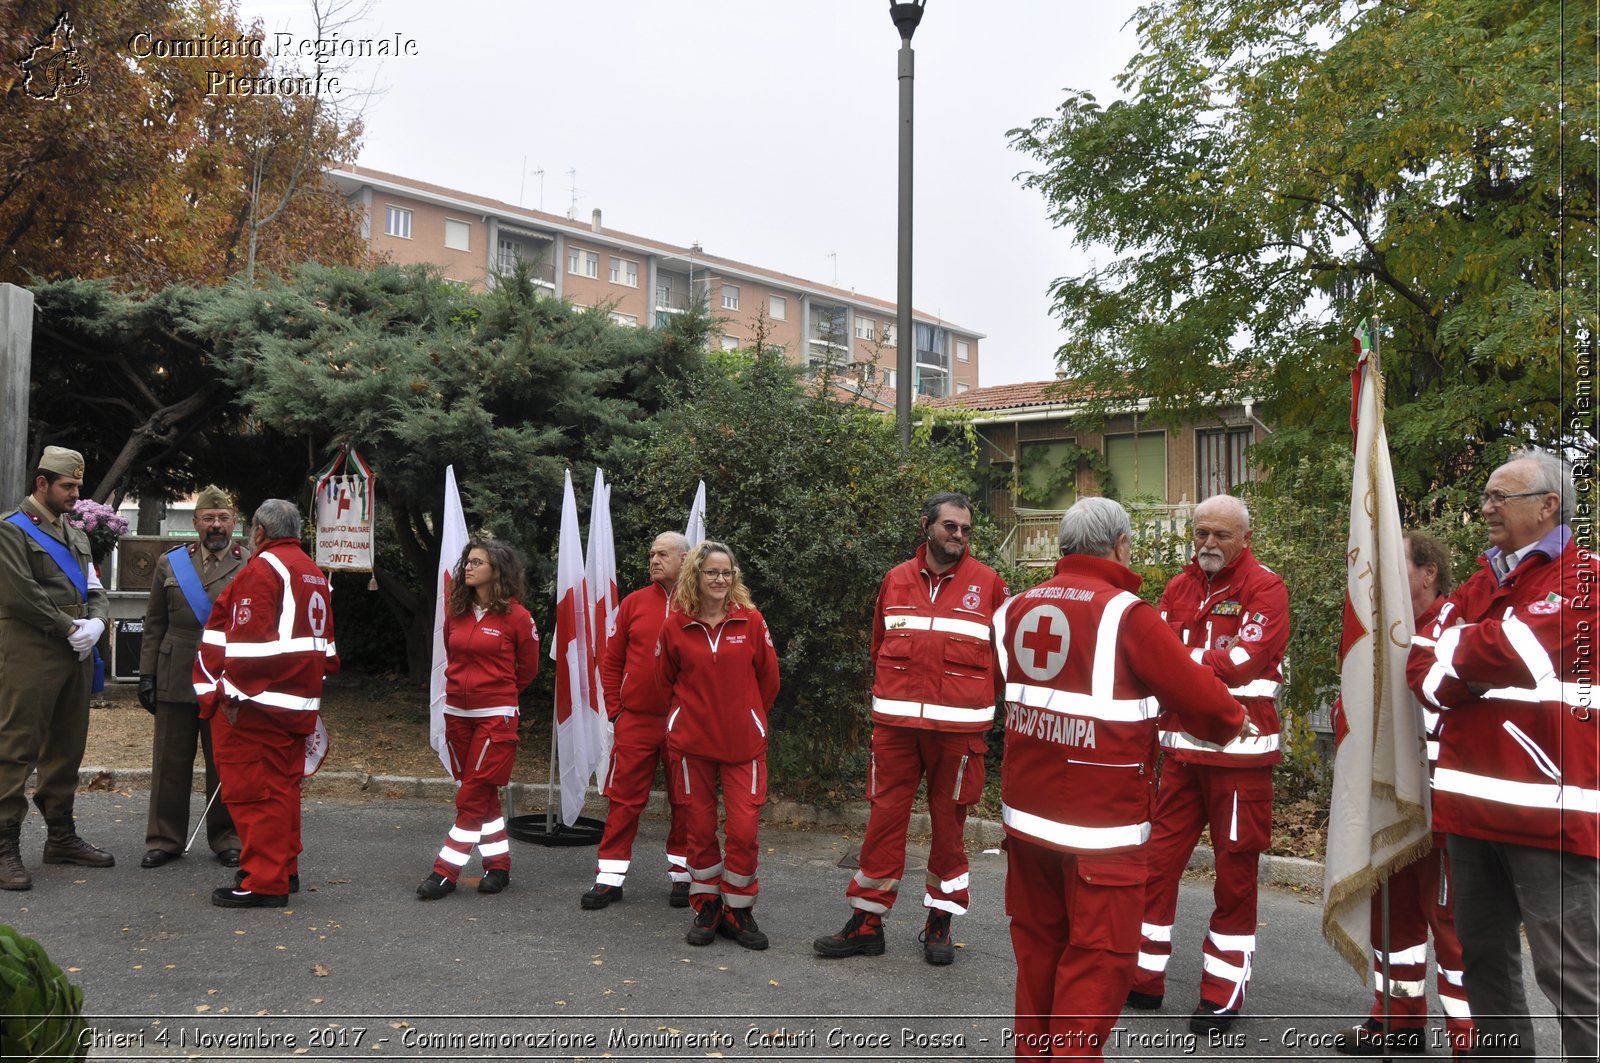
[[625, 272], [730, 343], [892, 375], [1220, 460], [583, 263], [888, 334], [457, 235], [628, 320], [962, 352], [1138, 465], [777, 307], [398, 223], [730, 297], [866, 328], [1047, 474], [962, 389], [510, 255]]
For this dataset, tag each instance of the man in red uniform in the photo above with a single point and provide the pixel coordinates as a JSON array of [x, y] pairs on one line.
[[1233, 614], [1420, 897], [638, 709], [1088, 666], [933, 700], [263, 656], [1510, 663]]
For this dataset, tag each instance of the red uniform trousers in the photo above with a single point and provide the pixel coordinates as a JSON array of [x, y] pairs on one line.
[[261, 766], [1237, 805], [1075, 930], [638, 743], [482, 752], [1420, 901], [713, 874], [901, 756]]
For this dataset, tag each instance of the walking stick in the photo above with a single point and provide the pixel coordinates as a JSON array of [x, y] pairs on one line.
[[202, 823]]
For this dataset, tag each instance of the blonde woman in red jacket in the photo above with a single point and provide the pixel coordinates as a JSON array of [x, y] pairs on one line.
[[717, 662], [492, 654]]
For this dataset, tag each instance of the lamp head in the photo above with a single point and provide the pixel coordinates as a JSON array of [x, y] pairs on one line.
[[906, 16]]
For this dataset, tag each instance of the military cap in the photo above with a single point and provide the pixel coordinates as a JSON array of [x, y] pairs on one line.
[[62, 462], [212, 497]]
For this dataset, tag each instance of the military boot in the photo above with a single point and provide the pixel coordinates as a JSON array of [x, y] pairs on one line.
[[13, 876], [63, 846]]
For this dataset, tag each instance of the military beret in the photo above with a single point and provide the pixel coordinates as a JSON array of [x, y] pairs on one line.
[[62, 462]]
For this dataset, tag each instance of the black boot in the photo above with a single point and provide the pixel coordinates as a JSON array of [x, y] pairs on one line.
[[63, 846], [13, 876]]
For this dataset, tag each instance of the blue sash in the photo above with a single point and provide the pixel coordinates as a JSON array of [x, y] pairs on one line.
[[59, 552], [194, 592], [67, 561]]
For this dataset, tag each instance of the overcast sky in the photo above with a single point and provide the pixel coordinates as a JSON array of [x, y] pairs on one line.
[[764, 130]]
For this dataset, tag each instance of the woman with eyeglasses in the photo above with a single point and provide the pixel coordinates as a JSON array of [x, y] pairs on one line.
[[492, 653], [718, 664]]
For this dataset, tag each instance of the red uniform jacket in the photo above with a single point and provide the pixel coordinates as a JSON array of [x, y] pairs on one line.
[[270, 639], [721, 682], [1237, 624], [488, 662], [1512, 665], [1085, 663], [933, 646], [628, 673]]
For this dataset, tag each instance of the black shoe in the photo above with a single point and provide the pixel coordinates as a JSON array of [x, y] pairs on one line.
[[935, 937], [157, 857], [703, 931], [494, 881], [1145, 1001], [435, 886], [598, 896], [861, 936], [225, 897], [740, 925], [679, 897], [1211, 1018], [294, 881], [227, 857], [1368, 1040]]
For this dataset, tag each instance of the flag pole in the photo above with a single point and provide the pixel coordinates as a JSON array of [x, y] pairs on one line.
[[550, 781], [204, 812]]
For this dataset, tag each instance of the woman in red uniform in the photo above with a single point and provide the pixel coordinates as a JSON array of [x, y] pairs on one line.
[[717, 663], [492, 654]]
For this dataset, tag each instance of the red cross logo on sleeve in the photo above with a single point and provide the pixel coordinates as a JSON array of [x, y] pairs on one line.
[[1041, 643]]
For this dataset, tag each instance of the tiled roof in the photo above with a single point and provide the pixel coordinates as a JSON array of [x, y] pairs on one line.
[[561, 221], [1015, 396]]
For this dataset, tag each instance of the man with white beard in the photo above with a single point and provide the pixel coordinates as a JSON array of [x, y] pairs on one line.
[[1233, 614]]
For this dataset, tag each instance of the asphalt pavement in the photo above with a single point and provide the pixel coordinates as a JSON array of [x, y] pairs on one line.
[[357, 968]]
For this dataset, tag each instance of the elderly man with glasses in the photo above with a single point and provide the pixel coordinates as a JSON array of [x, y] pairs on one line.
[[1510, 664], [937, 680]]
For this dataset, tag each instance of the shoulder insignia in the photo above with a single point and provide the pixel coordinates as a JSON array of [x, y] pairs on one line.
[[238, 551], [192, 547]]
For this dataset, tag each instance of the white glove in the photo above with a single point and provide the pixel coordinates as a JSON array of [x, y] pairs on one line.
[[85, 633]]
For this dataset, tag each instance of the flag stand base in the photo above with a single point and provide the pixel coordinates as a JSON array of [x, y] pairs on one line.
[[539, 830]]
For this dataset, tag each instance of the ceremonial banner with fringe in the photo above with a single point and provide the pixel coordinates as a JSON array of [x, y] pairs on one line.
[[1379, 816]]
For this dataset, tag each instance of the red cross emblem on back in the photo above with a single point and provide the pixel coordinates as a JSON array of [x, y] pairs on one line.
[[1041, 643]]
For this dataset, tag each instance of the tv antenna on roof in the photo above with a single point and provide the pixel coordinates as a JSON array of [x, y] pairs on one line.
[[572, 186]]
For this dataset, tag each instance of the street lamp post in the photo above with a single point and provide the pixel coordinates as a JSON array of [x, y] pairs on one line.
[[906, 16]]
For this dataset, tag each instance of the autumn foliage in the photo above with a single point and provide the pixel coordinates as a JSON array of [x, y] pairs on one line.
[[143, 178]]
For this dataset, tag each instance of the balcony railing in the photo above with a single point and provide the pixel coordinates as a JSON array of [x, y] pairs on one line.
[[1160, 535]]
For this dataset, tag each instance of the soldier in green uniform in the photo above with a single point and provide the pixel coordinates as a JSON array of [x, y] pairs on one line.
[[52, 613], [187, 580]]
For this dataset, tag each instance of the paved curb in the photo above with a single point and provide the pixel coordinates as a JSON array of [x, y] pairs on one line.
[[1286, 871]]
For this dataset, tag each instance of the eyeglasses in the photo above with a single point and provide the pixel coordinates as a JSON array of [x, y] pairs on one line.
[[1500, 498], [723, 576], [473, 562], [952, 528]]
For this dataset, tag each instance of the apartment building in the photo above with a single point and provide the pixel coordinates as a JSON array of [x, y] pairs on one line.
[[642, 281]]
